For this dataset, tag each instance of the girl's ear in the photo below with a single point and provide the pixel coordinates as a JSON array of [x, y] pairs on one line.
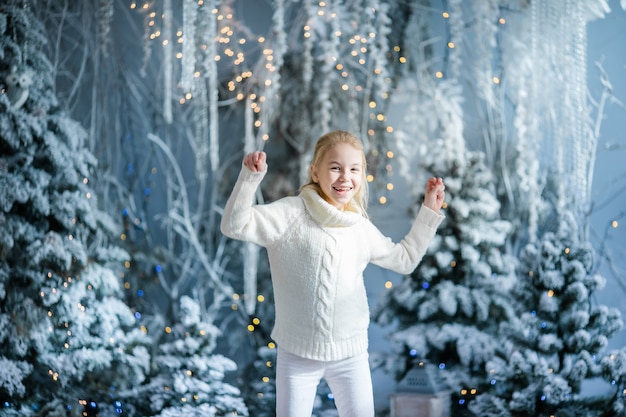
[[313, 171]]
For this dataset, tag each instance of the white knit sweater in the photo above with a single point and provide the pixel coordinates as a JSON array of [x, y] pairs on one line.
[[317, 256]]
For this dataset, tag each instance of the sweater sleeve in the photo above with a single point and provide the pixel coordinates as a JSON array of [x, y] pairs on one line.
[[403, 257], [245, 220]]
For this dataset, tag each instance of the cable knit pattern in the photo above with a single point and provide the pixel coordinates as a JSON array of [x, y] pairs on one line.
[[325, 293], [317, 256]]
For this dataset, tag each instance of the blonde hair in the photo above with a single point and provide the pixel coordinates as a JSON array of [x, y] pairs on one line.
[[323, 145]]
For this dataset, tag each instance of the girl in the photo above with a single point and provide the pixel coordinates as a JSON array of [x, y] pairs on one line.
[[318, 244]]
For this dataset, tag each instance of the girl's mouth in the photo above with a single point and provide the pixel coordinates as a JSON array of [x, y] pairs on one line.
[[342, 189]]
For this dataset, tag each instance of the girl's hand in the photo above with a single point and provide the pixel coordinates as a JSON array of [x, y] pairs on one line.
[[255, 161], [434, 194]]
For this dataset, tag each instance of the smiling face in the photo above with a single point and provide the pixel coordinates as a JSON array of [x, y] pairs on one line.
[[339, 174]]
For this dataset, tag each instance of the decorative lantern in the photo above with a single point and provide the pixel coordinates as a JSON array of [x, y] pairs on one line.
[[421, 393]]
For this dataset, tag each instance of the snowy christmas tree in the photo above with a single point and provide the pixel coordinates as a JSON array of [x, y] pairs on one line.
[[68, 340], [187, 376], [449, 310], [557, 342]]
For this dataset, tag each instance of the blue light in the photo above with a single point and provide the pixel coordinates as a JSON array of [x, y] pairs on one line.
[[92, 404], [543, 398], [533, 313], [158, 269], [7, 404], [125, 212], [413, 352], [129, 168], [425, 285], [118, 407], [331, 396], [140, 293], [442, 366], [147, 192], [544, 325], [137, 315], [493, 382], [461, 401]]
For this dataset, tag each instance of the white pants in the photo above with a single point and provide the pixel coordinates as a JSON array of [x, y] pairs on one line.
[[297, 379]]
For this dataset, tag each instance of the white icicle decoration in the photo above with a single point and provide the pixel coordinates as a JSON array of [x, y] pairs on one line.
[[248, 140], [250, 254], [167, 61], [210, 67]]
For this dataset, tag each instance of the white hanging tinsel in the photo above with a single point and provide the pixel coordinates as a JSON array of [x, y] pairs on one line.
[[330, 46], [272, 72], [525, 123], [552, 120], [379, 48], [190, 14], [561, 27], [486, 13], [307, 52], [105, 17], [456, 36]]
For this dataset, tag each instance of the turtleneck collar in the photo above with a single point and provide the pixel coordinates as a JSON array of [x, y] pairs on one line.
[[328, 215]]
